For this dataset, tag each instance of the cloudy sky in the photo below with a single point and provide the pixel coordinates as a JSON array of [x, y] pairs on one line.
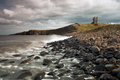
[[22, 15]]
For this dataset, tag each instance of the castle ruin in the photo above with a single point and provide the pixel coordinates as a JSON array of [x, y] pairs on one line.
[[95, 21]]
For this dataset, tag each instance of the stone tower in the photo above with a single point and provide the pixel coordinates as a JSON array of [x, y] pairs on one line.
[[95, 21]]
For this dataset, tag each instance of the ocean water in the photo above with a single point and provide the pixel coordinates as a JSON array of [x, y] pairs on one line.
[[24, 46], [15, 44]]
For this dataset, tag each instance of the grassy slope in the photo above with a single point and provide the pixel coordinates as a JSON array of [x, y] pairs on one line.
[[76, 28]]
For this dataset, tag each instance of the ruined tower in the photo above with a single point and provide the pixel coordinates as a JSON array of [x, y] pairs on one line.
[[95, 21]]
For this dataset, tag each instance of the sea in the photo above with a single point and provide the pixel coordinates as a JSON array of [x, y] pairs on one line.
[[13, 44], [14, 49]]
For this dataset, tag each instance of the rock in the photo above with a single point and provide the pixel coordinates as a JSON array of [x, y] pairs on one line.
[[109, 67], [17, 55], [40, 76], [90, 56], [101, 61], [117, 56], [3, 60], [100, 67], [118, 75], [47, 62], [95, 49], [51, 73], [43, 53], [59, 66], [80, 78], [30, 56], [24, 74], [105, 76], [66, 78], [110, 48], [37, 57], [25, 61], [78, 72], [115, 71], [98, 73], [12, 62], [104, 44]]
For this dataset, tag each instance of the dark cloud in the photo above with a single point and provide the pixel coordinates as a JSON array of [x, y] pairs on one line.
[[49, 14]]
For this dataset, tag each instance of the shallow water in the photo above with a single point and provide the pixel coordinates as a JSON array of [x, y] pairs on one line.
[[23, 47]]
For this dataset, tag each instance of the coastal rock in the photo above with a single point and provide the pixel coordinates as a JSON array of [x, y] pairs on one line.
[[66, 78], [80, 78], [118, 75], [110, 48], [40, 76], [17, 55], [25, 61], [46, 62], [37, 57], [24, 74], [78, 72], [115, 71], [100, 67], [43, 53], [95, 49], [109, 67], [60, 66], [105, 76]]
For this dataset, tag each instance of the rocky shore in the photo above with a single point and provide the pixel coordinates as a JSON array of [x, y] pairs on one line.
[[86, 56]]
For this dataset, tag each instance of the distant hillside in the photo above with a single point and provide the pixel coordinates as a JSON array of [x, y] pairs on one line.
[[74, 28], [114, 27]]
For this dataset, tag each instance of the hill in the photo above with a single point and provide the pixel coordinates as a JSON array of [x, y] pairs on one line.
[[73, 28]]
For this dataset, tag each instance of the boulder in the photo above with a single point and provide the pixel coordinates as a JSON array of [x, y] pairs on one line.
[[100, 67], [46, 62], [109, 67], [40, 76], [60, 66], [43, 53], [37, 57], [24, 74], [25, 61], [115, 71], [95, 49], [105, 76]]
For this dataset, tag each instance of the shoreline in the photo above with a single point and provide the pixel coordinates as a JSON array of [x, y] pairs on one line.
[[92, 56]]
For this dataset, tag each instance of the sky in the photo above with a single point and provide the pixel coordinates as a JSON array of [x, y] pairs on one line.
[[22, 15]]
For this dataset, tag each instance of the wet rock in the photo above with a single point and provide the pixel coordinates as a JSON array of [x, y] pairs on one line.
[[46, 62], [105, 76], [90, 56], [51, 73], [117, 56], [24, 74], [115, 71], [95, 49], [101, 61], [43, 53], [109, 67], [3, 60], [104, 44], [30, 56], [60, 66], [98, 73], [66, 78], [100, 67], [25, 61], [12, 62], [78, 72], [17, 55], [37, 57], [118, 75], [40, 76], [80, 78], [110, 48]]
